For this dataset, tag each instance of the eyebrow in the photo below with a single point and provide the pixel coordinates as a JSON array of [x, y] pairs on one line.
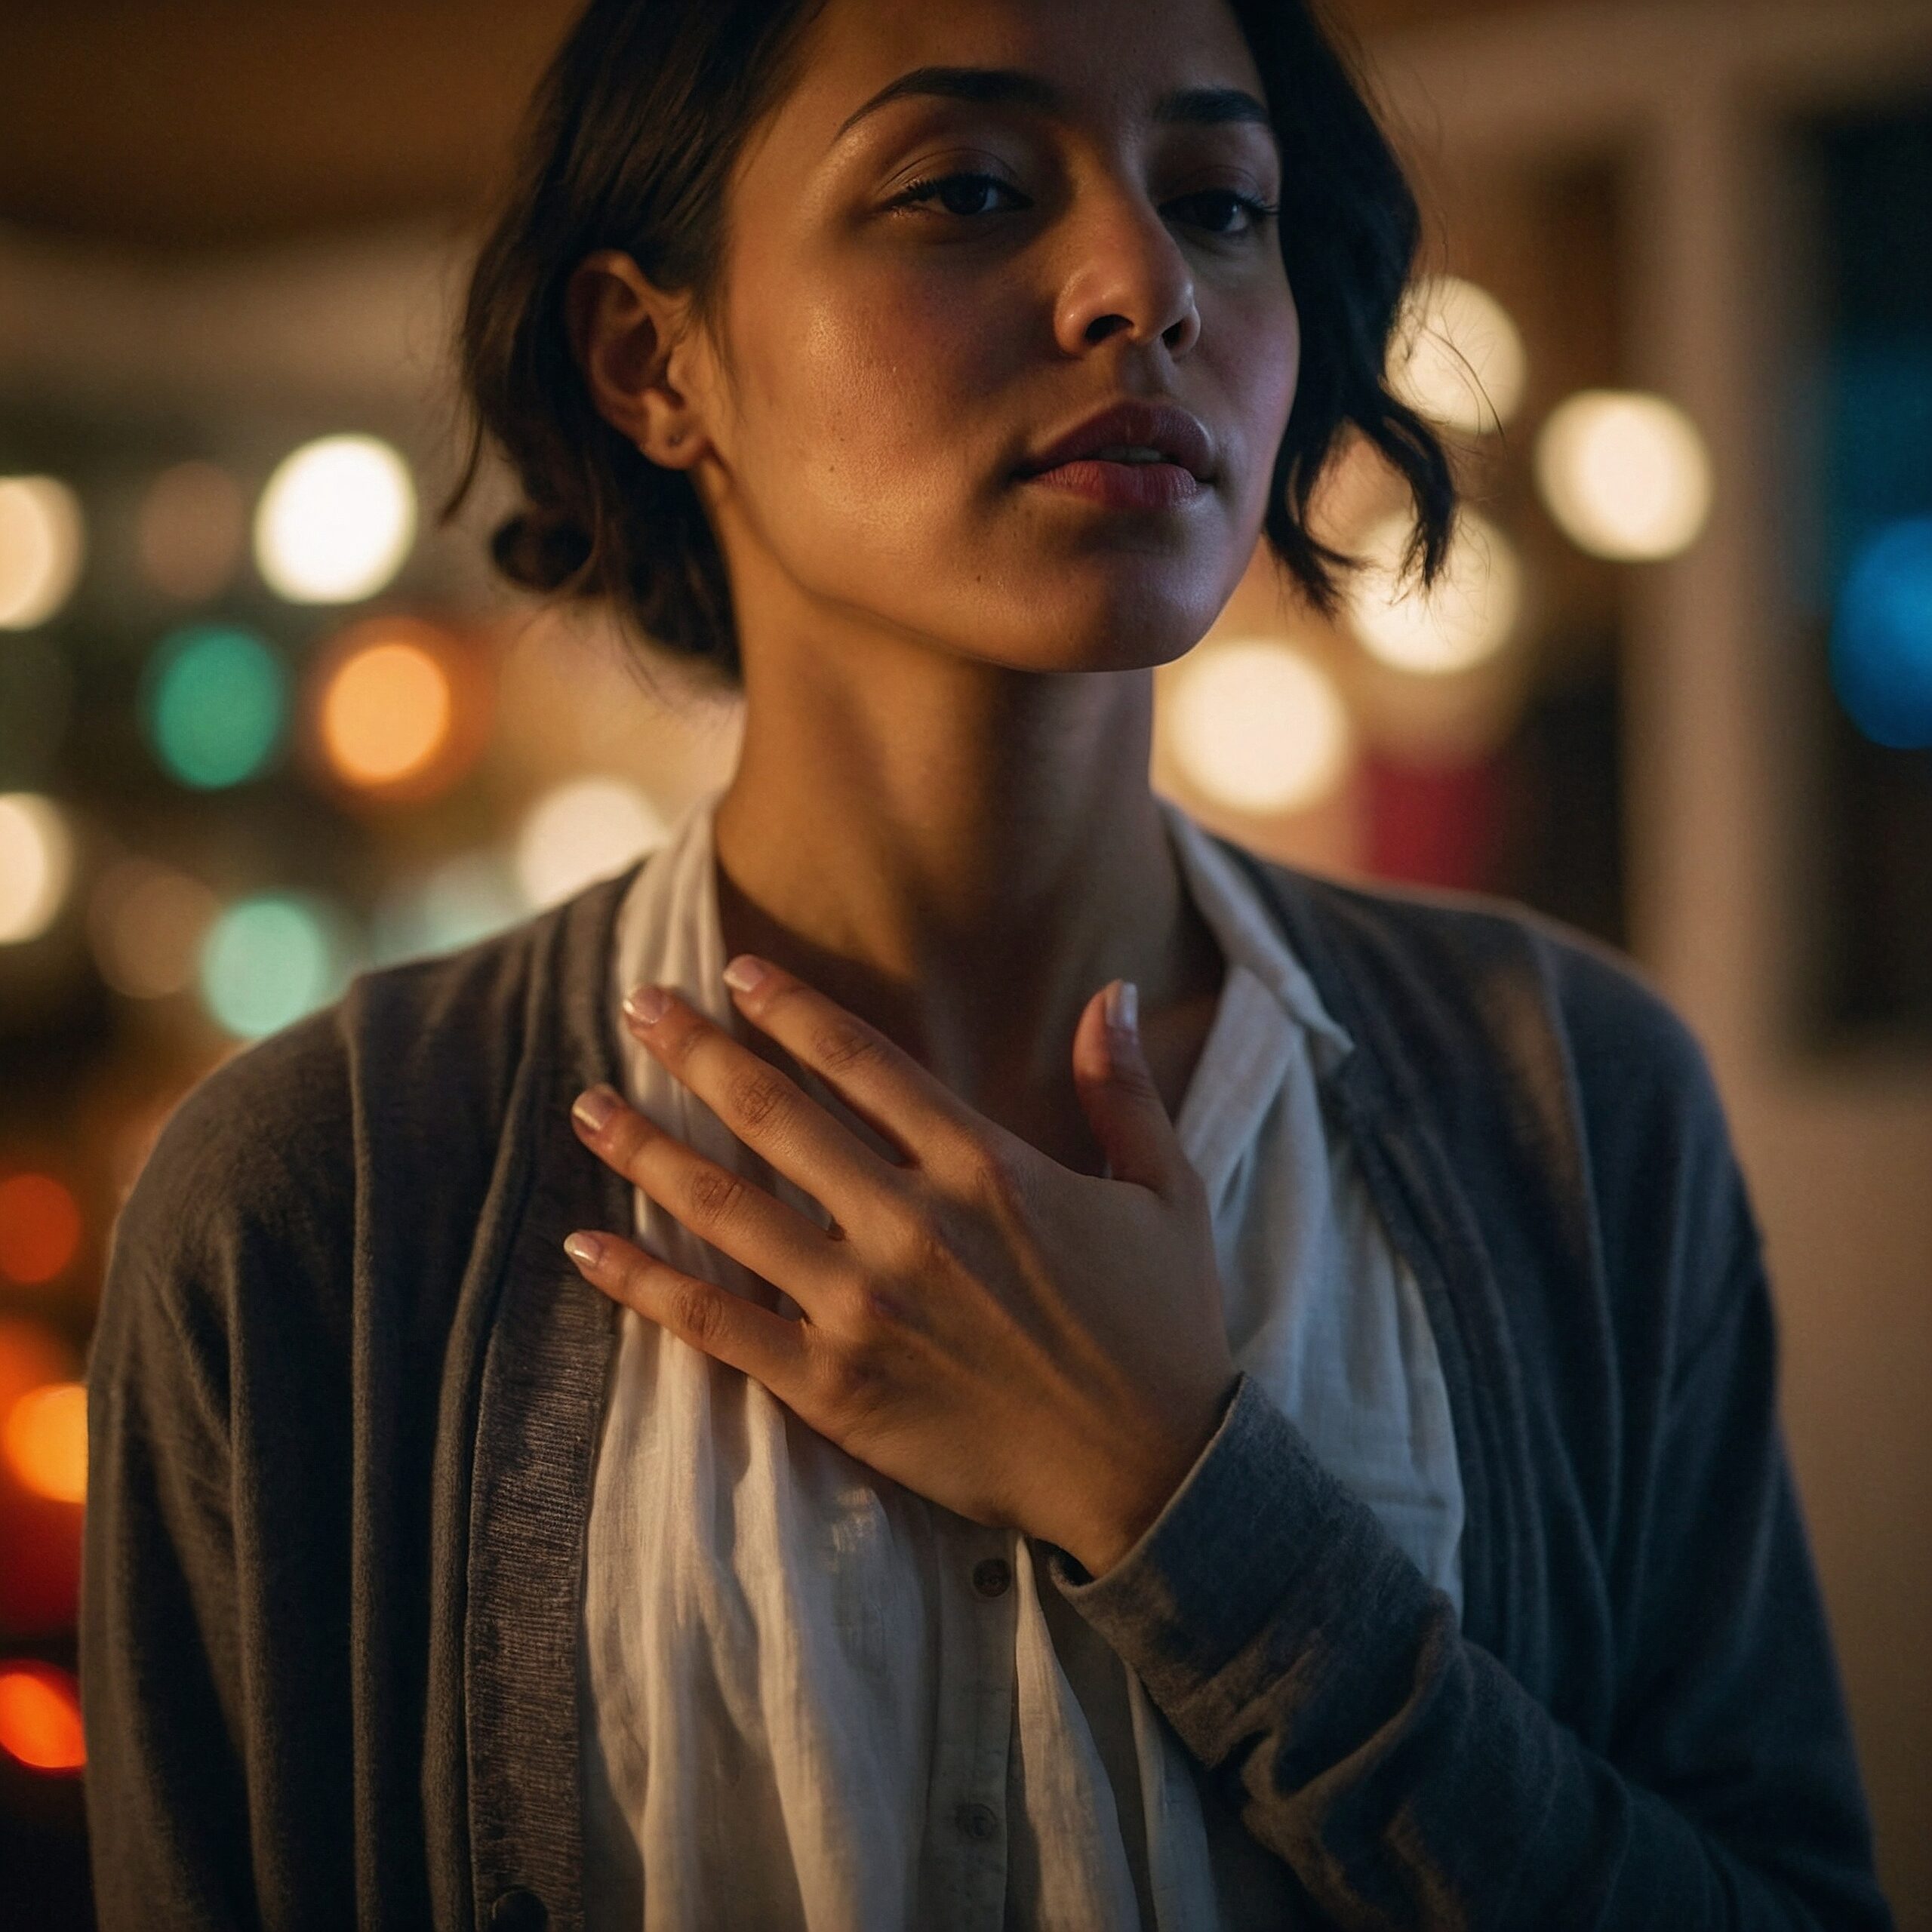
[[1011, 87]]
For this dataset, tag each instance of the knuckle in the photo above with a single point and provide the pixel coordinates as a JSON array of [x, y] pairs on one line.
[[694, 1309], [1002, 1184], [841, 1049], [1135, 1078], [916, 1246], [713, 1193], [755, 1097], [852, 1380]]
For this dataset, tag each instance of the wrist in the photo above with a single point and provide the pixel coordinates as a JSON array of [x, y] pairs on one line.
[[1143, 1487]]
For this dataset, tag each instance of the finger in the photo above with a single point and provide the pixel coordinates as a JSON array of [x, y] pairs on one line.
[[764, 1108], [724, 1325], [872, 1075], [733, 1214], [1122, 1102]]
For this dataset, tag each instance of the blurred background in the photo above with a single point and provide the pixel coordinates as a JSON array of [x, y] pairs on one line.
[[264, 725]]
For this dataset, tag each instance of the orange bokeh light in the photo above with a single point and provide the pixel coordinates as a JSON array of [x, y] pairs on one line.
[[45, 1437], [386, 713], [40, 1228], [40, 1717]]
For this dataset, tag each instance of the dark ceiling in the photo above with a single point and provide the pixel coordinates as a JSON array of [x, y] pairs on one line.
[[211, 122]]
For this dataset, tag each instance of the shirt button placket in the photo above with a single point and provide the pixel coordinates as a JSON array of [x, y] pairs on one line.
[[974, 1899]]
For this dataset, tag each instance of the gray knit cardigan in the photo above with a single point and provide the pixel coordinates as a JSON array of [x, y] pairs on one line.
[[345, 1392]]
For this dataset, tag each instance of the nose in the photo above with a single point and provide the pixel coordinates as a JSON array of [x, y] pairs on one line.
[[1124, 271]]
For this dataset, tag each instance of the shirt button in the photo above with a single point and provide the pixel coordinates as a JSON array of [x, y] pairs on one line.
[[517, 1910], [977, 1821], [992, 1577]]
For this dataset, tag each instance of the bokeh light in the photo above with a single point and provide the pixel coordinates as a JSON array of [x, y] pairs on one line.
[[1257, 726], [40, 1228], [191, 530], [44, 1437], [1625, 475], [464, 900], [270, 959], [336, 521], [146, 922], [31, 1354], [216, 702], [1457, 357], [1881, 637], [386, 713], [40, 1716], [36, 865], [41, 544], [582, 830], [1467, 617]]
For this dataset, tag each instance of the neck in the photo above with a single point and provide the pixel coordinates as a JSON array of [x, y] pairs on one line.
[[961, 852]]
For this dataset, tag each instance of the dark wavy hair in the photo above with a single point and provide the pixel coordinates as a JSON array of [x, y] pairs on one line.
[[629, 143]]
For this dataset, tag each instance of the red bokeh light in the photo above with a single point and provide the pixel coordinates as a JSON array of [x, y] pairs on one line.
[[40, 1228], [40, 1716]]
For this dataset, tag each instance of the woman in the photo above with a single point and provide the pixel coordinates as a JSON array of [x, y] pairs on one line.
[[1308, 1456]]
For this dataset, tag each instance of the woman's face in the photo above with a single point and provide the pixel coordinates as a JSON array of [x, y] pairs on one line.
[[894, 362]]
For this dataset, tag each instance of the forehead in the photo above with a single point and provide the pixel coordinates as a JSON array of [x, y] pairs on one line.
[[1100, 60]]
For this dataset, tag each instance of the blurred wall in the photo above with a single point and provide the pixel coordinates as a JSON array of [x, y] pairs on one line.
[[1838, 1146]]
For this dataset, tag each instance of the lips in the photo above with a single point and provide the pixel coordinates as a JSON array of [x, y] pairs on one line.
[[1179, 438]]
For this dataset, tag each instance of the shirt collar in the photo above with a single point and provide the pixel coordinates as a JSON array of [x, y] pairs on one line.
[[1249, 935]]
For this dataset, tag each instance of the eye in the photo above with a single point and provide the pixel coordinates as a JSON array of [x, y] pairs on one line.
[[1255, 212], [951, 188]]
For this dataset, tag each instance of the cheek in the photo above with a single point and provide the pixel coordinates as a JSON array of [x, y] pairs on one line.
[[871, 417], [1261, 359]]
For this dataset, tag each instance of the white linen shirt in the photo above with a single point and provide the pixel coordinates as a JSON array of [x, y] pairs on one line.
[[814, 1699]]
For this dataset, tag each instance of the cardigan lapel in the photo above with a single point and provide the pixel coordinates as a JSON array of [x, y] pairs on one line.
[[1425, 1197], [544, 1382]]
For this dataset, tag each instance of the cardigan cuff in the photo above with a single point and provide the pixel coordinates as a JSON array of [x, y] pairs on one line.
[[1259, 1539]]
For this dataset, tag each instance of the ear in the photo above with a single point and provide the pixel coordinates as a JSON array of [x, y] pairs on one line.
[[623, 329]]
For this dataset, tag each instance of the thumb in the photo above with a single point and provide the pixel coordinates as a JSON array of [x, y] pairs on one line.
[[1116, 1087]]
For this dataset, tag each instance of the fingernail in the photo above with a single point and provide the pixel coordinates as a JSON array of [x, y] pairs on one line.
[[1123, 1006], [594, 1106], [744, 972], [646, 1004], [583, 1249]]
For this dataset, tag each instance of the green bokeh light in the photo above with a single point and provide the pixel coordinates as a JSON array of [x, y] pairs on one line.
[[217, 705], [269, 959]]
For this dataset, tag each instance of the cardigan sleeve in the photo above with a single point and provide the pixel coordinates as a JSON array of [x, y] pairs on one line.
[[1409, 1780], [213, 1622], [160, 1645]]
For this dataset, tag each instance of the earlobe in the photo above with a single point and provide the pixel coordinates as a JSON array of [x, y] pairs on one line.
[[619, 330]]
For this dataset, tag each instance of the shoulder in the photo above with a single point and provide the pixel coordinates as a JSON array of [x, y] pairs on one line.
[[1555, 1076], [407, 1080], [1485, 982]]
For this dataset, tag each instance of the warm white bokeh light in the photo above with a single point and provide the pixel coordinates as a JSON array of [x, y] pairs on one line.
[[385, 714], [1457, 357], [41, 543], [146, 922], [190, 530], [582, 831], [36, 865], [1468, 616], [336, 521], [1626, 475], [1258, 726]]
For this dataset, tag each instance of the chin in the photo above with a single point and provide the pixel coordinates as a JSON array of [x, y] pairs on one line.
[[1134, 627]]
